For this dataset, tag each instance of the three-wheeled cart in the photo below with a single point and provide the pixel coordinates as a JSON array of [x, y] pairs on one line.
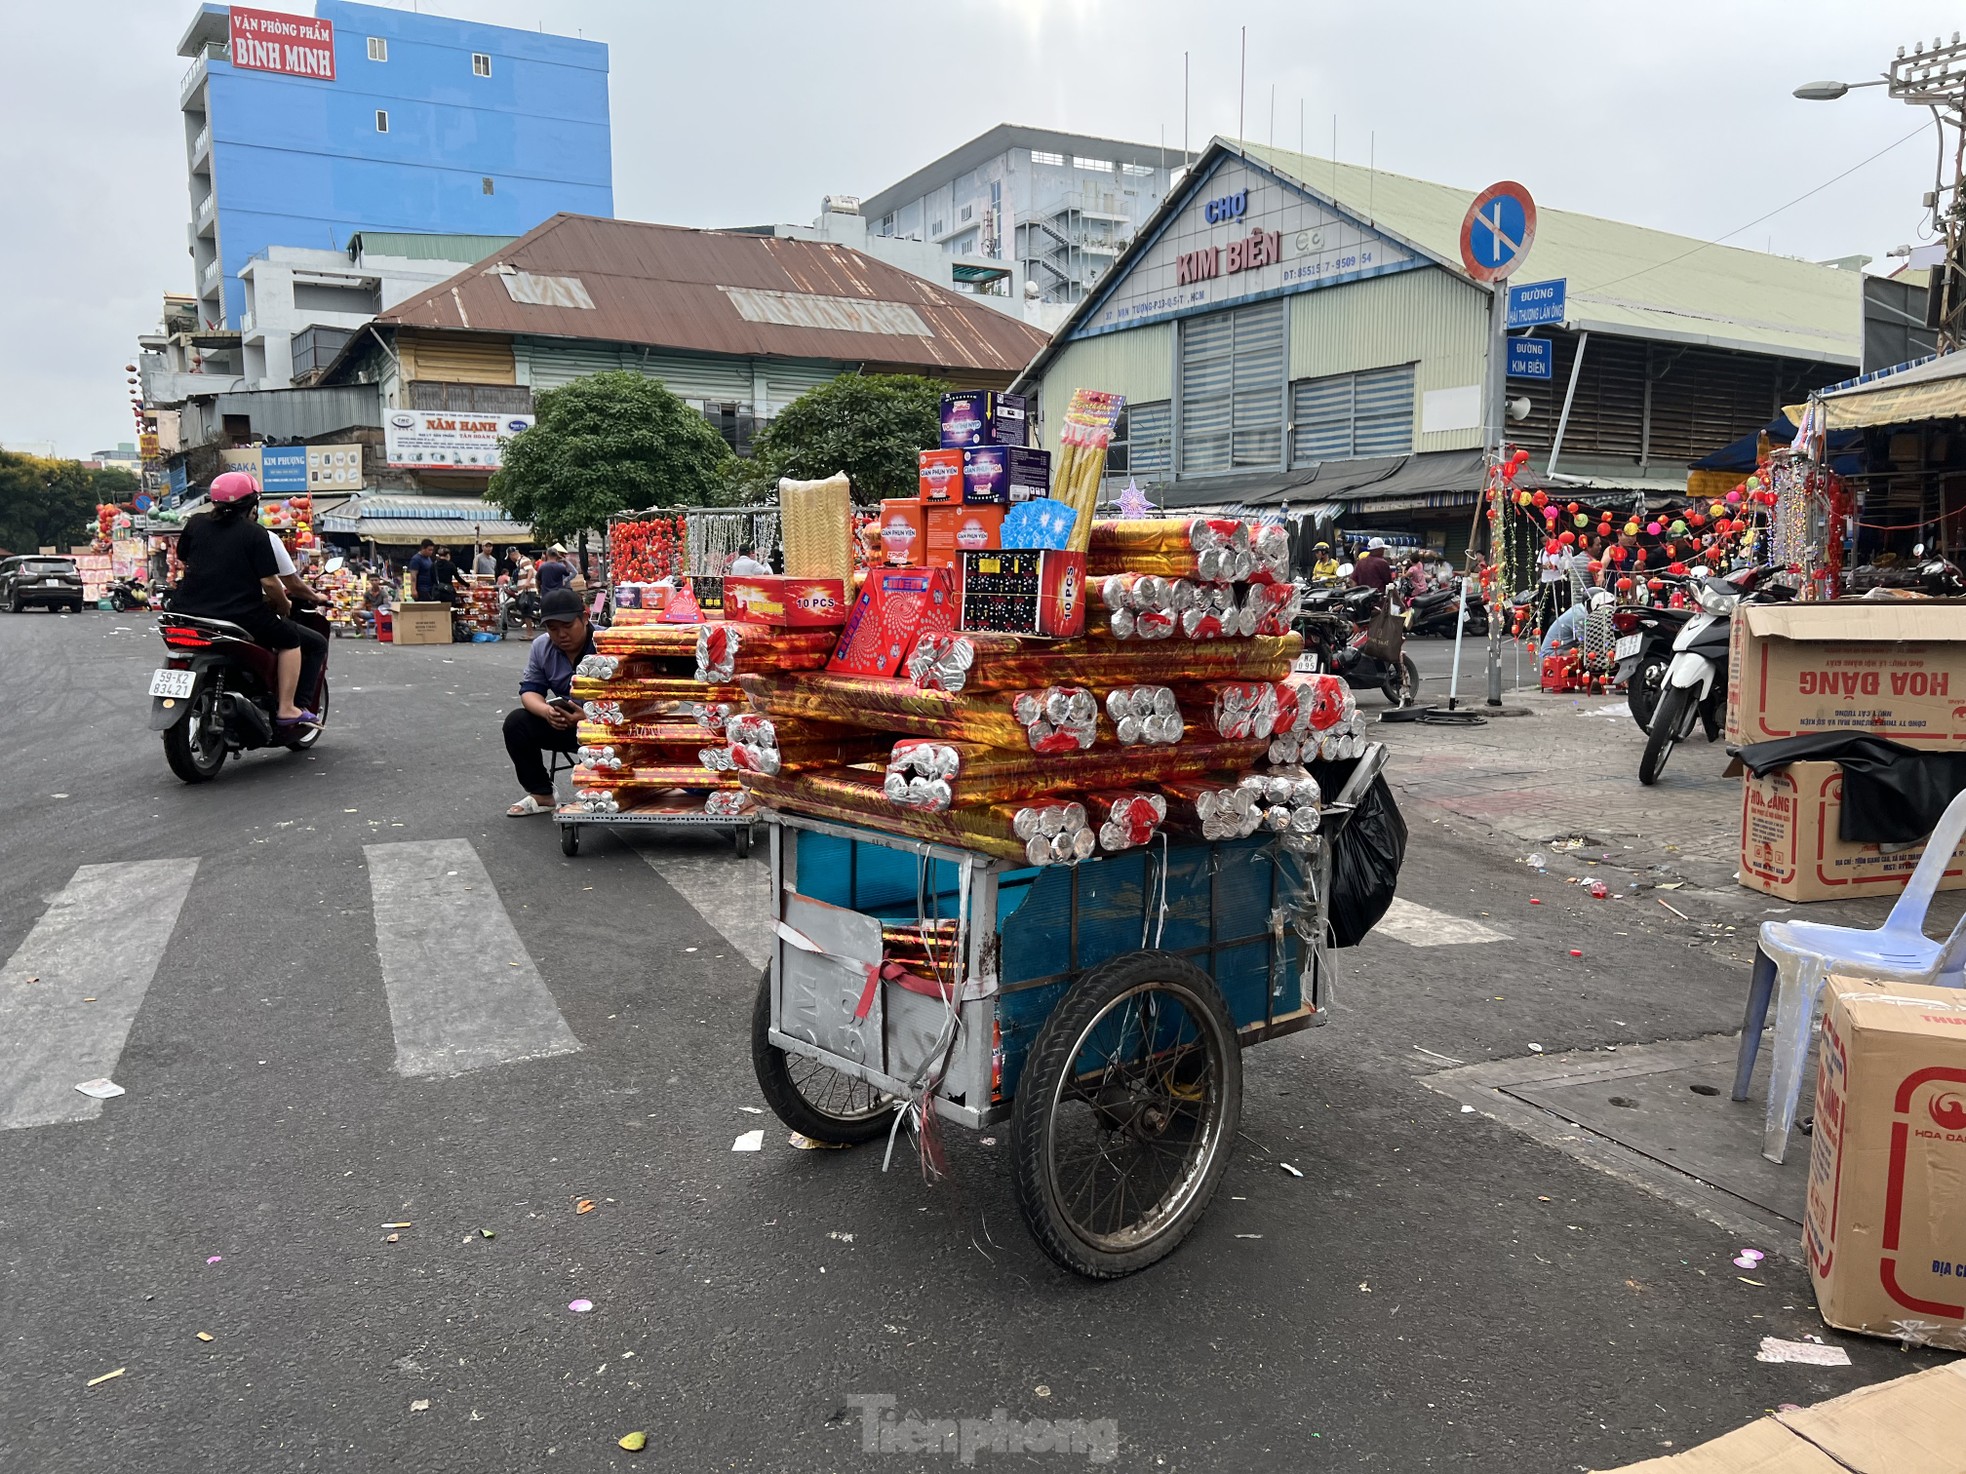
[[1101, 1009], [571, 817]]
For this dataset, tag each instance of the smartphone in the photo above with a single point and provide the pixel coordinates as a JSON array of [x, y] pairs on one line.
[[564, 703]]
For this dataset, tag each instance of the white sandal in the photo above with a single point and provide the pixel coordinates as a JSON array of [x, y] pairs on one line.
[[527, 805]]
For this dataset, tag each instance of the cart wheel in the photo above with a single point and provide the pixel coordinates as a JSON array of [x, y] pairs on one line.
[[744, 842], [1125, 1113], [813, 1099], [569, 839]]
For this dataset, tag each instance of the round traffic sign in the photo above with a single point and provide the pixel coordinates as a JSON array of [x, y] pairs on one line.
[[1497, 230]]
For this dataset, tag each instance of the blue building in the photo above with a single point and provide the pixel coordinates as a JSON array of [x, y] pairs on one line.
[[367, 118]]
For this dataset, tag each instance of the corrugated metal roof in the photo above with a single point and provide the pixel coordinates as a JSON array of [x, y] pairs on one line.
[[671, 287]]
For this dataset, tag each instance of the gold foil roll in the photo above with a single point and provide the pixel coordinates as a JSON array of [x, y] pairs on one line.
[[661, 688], [855, 796]]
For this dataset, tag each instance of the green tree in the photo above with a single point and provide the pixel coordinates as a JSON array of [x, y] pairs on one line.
[[608, 443], [867, 425], [52, 503]]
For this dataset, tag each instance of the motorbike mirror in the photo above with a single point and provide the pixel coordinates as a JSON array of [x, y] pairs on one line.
[[1918, 550], [1701, 571], [333, 565], [1344, 570]]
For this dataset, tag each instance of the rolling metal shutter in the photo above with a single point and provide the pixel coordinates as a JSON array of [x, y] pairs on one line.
[[1347, 416], [1231, 390], [1206, 343]]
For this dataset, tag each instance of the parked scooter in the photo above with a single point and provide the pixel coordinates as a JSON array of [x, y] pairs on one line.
[[126, 594], [1334, 624], [1437, 611], [1642, 653], [1695, 685]]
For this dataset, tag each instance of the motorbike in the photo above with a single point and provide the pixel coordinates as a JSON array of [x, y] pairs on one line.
[[516, 609], [1438, 612], [1695, 683], [126, 594], [1334, 624], [215, 694], [1642, 652]]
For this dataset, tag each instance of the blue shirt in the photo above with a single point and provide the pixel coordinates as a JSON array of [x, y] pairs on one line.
[[423, 568], [548, 672], [551, 576]]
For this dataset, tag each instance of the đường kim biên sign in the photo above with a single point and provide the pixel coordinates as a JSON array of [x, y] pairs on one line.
[[271, 41]]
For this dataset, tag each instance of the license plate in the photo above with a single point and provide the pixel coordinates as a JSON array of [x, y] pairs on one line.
[[1305, 663], [1627, 646], [172, 682]]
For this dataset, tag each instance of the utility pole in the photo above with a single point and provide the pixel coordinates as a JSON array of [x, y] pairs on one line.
[[1493, 418]]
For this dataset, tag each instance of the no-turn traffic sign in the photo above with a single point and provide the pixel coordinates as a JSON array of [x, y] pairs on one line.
[[1497, 231]]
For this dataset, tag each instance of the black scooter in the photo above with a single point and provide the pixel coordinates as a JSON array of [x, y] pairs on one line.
[[1333, 624], [1642, 653], [1438, 612]]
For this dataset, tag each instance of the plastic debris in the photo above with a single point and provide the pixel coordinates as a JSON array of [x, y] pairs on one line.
[[1576, 952], [807, 1144], [1535, 1049], [1249, 1235], [391, 1238], [580, 1307], [1535, 900], [750, 1141], [1599, 890], [1290, 1169], [585, 1205], [102, 1087], [1809, 1353], [421, 1405], [752, 1110], [204, 1335], [486, 1233], [397, 1225], [834, 1233], [107, 1377], [1537, 861], [1467, 1110], [634, 1442], [216, 1258]]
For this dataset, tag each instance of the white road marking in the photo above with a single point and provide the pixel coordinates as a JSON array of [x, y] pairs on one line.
[[101, 939], [463, 991], [733, 895], [1422, 926]]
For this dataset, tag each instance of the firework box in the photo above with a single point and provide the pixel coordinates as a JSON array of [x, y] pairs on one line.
[[1885, 1222], [983, 417], [1004, 474], [949, 532], [794, 603], [896, 607], [1792, 845], [939, 474], [903, 532], [1024, 591], [1891, 669]]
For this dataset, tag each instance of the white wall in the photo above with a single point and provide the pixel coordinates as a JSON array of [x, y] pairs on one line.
[[272, 318]]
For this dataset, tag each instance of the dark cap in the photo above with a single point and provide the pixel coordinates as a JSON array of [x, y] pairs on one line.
[[561, 604]]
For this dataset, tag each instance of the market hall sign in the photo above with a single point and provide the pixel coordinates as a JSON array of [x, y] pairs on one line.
[[1246, 235], [271, 41]]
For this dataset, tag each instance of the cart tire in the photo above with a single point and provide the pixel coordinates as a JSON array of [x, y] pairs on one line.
[[813, 1099], [569, 840], [1063, 1107], [743, 840]]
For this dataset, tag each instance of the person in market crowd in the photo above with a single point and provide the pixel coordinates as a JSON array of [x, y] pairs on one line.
[[230, 573], [313, 644], [552, 572], [1374, 570], [423, 571], [546, 717], [1324, 567], [484, 564], [1415, 581], [443, 577], [747, 565]]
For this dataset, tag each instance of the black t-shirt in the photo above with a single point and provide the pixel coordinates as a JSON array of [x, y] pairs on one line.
[[223, 564]]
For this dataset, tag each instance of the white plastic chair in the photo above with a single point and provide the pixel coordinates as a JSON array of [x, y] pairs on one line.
[[1795, 957]]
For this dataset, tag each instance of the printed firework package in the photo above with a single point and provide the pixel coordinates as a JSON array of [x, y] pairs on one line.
[[1005, 475], [896, 607], [796, 603], [939, 477], [1023, 592], [1090, 420], [983, 417]]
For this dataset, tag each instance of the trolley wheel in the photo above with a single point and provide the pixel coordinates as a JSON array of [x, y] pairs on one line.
[[812, 1098], [569, 839], [1125, 1114], [743, 841]]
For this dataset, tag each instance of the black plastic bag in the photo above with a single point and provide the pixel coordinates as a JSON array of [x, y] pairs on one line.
[[1365, 857]]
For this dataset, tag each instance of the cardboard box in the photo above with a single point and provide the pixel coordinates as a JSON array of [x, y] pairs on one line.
[[422, 624], [1884, 1226], [949, 532], [1005, 474], [903, 531], [939, 474], [983, 417], [792, 603], [896, 607], [1790, 845], [1895, 670], [1024, 591]]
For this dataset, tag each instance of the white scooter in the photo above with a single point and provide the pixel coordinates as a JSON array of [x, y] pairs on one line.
[[1695, 683]]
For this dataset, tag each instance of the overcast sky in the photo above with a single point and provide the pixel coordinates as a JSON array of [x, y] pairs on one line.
[[1676, 114]]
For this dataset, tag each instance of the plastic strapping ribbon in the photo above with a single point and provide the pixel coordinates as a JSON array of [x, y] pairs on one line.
[[872, 970]]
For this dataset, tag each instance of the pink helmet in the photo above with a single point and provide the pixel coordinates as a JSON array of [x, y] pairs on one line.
[[234, 486]]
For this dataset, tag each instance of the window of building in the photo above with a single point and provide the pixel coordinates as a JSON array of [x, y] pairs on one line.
[[1138, 171], [968, 211], [935, 229], [480, 64], [1103, 165], [1231, 390], [484, 399], [486, 184], [737, 423], [378, 49], [1041, 156], [887, 224], [1142, 445], [381, 121], [1348, 416]]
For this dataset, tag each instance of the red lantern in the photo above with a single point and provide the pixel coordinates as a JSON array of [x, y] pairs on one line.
[[1566, 538], [1541, 498], [1552, 546], [1571, 509], [1617, 554], [1624, 586]]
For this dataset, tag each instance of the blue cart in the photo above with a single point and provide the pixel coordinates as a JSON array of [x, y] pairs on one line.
[[1100, 1009]]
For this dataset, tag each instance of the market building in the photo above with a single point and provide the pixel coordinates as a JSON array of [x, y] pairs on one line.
[[1296, 334]]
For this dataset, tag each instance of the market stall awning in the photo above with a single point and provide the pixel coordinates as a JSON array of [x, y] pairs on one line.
[[1933, 390], [410, 519]]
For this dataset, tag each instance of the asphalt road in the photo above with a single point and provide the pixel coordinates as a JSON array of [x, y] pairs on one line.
[[1435, 1292]]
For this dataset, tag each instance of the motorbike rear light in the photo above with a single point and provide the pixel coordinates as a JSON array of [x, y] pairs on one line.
[[180, 638], [1623, 622]]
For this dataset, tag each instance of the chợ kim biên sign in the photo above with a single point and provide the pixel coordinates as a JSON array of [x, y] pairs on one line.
[[414, 439], [273, 41], [1244, 236]]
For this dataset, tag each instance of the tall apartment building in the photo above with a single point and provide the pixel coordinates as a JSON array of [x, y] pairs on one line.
[[1044, 214], [302, 131]]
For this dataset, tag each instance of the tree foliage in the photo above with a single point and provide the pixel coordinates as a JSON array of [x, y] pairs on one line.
[[608, 443], [52, 503], [868, 425]]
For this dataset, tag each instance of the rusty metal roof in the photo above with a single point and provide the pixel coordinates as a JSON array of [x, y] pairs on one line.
[[724, 292]]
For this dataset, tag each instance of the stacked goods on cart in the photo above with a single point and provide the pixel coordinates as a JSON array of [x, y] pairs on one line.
[[347, 593], [481, 602]]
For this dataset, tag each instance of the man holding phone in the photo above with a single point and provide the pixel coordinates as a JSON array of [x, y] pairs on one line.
[[547, 714]]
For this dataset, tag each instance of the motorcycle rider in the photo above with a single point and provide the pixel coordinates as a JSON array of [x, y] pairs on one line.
[[1324, 567], [1374, 571], [230, 573]]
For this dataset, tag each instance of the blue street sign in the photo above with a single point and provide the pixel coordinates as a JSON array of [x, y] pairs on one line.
[[1497, 231], [1530, 358], [1536, 302], [283, 469]]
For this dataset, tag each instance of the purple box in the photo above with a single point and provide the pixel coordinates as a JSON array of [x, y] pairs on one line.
[[983, 417], [1004, 475]]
